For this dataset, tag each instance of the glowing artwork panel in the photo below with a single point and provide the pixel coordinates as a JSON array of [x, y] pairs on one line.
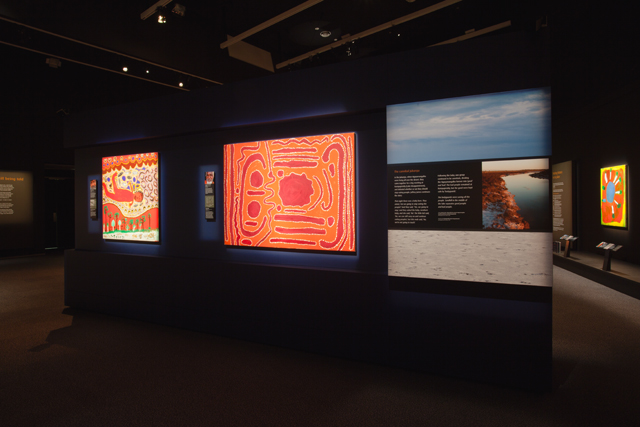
[[131, 198], [296, 193], [613, 196]]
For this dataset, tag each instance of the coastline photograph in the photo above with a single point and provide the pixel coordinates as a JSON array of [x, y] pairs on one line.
[[515, 194]]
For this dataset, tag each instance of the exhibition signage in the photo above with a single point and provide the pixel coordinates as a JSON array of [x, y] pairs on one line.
[[562, 198], [210, 196], [16, 197], [468, 189], [93, 198]]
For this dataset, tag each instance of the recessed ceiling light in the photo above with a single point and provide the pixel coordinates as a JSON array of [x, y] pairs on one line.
[[325, 33], [180, 84], [125, 69]]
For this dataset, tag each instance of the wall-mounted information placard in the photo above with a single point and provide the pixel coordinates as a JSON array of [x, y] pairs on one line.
[[16, 197], [562, 199], [16, 209], [210, 196], [93, 198]]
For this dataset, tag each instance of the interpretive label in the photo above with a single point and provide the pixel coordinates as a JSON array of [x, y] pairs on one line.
[[16, 210], [16, 197], [435, 195], [209, 196], [93, 198], [561, 199]]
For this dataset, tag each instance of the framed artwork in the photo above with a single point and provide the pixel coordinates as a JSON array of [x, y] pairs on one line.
[[613, 196], [131, 198], [296, 193]]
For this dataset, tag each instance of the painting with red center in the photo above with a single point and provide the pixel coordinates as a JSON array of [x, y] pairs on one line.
[[296, 193]]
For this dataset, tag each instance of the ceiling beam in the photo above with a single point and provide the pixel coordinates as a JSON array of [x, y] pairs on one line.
[[149, 12], [270, 22], [365, 33], [124, 55], [472, 34]]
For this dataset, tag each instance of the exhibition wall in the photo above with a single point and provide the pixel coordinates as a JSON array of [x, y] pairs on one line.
[[16, 210], [602, 135], [338, 303]]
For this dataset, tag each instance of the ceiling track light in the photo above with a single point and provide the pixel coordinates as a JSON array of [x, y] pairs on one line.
[[179, 9], [153, 9]]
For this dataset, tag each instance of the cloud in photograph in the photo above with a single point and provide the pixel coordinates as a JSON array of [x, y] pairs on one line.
[[499, 125], [515, 165]]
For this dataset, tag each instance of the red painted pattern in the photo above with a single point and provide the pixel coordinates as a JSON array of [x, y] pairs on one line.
[[311, 179]]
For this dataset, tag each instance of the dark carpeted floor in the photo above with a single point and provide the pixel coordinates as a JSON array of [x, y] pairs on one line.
[[60, 367]]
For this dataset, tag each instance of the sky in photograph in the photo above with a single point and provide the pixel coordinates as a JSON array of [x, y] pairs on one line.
[[499, 125], [514, 165]]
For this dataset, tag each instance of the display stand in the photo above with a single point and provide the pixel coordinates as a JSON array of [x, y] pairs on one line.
[[608, 249], [567, 246]]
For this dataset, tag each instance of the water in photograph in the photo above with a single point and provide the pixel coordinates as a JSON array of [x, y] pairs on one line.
[[532, 196]]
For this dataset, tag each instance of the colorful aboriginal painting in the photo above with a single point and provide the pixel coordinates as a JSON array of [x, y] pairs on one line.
[[131, 198], [296, 193], [613, 196]]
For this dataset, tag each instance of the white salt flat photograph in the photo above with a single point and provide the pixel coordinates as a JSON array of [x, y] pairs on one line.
[[519, 258]]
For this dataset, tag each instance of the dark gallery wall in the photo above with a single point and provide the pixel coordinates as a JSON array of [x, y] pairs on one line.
[[598, 135], [328, 303], [32, 141]]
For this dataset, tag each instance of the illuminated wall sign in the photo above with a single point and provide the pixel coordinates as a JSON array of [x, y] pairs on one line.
[[468, 189], [562, 194], [296, 193], [613, 196], [131, 198], [16, 197], [16, 210]]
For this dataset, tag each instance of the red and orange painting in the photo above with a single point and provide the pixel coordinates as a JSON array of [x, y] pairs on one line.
[[131, 198], [613, 196], [296, 193]]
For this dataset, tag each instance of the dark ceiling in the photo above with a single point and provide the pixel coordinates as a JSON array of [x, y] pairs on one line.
[[95, 40], [190, 44]]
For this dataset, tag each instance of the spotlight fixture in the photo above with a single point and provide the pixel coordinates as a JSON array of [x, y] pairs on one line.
[[162, 19], [180, 84], [125, 69], [179, 9], [54, 62], [153, 9]]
